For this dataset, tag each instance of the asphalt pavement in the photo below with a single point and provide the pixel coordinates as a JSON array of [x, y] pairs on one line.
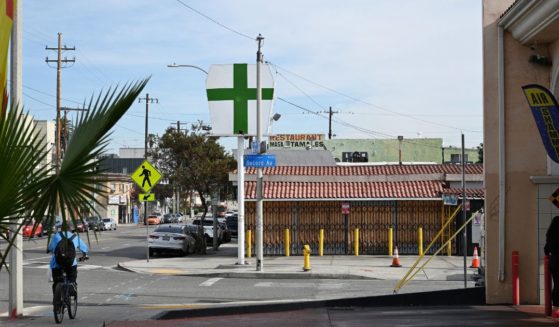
[[435, 297]]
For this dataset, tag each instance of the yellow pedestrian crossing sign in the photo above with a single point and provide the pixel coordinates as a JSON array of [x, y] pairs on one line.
[[146, 197], [146, 176]]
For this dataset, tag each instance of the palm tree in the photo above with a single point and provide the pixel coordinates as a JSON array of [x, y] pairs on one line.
[[31, 191]]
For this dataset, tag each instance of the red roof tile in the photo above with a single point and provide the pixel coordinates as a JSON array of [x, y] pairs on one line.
[[470, 192], [369, 170], [347, 190]]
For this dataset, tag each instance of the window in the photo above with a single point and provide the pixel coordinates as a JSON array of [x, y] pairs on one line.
[[355, 156]]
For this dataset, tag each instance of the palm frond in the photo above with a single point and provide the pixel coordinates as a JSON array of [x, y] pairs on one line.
[[30, 191]]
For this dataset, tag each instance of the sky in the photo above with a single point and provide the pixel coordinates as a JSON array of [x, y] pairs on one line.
[[386, 67]]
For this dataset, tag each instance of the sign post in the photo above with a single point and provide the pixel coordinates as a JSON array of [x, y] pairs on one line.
[[240, 99], [146, 177]]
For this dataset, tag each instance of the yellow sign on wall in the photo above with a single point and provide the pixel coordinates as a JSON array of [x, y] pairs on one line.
[[146, 176]]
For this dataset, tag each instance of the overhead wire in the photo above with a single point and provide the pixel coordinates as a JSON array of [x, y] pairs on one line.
[[368, 103], [215, 21]]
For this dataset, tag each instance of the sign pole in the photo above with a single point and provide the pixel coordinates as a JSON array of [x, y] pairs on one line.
[[241, 201], [259, 204], [464, 200], [15, 301]]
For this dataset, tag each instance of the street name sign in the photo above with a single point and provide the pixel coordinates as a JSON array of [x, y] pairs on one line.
[[259, 160], [146, 176]]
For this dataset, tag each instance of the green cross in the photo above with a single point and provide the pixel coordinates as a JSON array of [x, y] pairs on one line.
[[240, 94]]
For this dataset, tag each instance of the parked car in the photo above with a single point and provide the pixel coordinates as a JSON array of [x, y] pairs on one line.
[[27, 230], [178, 218], [82, 225], [109, 224], [51, 225], [168, 218], [232, 223], [208, 230], [95, 223], [171, 238], [154, 220]]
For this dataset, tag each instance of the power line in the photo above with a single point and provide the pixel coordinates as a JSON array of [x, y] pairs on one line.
[[368, 103], [216, 22], [355, 127]]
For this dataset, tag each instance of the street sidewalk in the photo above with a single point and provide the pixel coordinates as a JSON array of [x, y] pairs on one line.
[[222, 263]]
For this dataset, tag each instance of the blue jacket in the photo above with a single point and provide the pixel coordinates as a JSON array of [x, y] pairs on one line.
[[78, 243]]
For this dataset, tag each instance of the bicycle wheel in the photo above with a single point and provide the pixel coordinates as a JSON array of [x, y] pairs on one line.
[[72, 301], [58, 303]]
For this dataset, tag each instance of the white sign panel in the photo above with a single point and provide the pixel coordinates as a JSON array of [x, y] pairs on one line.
[[231, 92]]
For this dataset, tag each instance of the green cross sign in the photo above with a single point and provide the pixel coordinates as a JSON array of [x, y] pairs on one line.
[[240, 94]]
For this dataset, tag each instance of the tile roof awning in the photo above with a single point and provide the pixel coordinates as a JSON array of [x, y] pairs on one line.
[[418, 190]]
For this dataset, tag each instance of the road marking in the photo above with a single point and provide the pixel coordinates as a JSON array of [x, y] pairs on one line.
[[211, 281], [300, 285]]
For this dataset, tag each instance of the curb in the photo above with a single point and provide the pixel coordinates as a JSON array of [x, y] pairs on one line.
[[253, 275], [470, 296]]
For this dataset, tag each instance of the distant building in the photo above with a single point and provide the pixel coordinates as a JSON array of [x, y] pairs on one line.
[[131, 153], [47, 131], [382, 151]]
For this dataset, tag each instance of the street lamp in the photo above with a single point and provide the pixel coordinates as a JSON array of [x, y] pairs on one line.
[[174, 65]]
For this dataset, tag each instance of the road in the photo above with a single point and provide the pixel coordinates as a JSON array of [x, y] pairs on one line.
[[107, 293]]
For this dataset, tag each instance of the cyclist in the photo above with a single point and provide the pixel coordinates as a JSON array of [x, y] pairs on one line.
[[70, 270]]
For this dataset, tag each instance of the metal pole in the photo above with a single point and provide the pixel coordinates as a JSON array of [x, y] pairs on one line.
[[241, 201], [58, 127], [215, 202], [465, 231], [15, 305], [146, 158], [259, 203]]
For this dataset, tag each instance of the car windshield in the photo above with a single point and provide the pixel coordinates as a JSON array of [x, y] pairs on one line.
[[169, 229], [93, 219]]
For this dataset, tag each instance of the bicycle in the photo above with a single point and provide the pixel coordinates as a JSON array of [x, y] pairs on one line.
[[66, 297]]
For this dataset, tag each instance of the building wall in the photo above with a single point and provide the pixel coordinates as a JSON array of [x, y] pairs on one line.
[[46, 130], [525, 157], [387, 150], [131, 152]]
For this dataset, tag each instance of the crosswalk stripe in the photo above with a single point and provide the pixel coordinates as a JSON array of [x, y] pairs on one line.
[[211, 281]]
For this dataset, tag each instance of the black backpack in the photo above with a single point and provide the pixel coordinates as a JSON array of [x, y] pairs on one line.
[[65, 251]]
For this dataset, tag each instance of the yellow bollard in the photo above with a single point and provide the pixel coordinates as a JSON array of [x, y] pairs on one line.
[[249, 243], [287, 242], [356, 242], [307, 258], [321, 243], [390, 242], [420, 240]]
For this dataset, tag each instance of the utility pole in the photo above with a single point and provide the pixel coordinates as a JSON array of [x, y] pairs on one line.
[[59, 61], [330, 114], [148, 100], [15, 303], [259, 184], [178, 123]]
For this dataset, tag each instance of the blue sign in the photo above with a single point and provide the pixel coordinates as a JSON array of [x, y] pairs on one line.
[[260, 160], [546, 114]]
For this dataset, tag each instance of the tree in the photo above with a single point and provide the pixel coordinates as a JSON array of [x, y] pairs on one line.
[[30, 190], [480, 153], [195, 161]]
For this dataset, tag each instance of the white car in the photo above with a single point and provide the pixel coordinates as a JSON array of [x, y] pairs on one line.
[[109, 224], [172, 238]]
